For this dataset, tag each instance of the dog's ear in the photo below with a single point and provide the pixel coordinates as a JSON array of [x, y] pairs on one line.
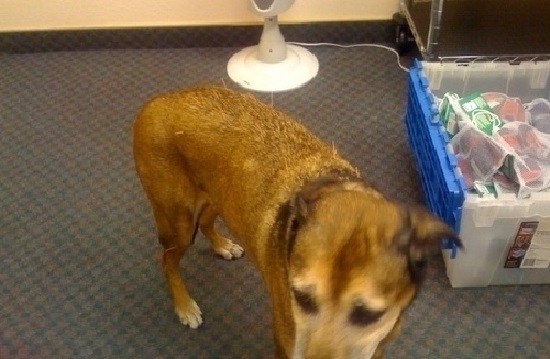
[[291, 215], [420, 238], [294, 213], [304, 200], [300, 206]]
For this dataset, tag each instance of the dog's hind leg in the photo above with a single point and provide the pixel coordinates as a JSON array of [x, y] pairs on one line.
[[221, 245], [176, 235]]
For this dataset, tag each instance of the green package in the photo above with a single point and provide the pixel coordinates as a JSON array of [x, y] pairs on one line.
[[447, 114], [479, 112]]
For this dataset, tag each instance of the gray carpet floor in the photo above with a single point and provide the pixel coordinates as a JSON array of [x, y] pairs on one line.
[[80, 275]]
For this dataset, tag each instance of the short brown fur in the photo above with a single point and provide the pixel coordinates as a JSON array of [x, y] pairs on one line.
[[300, 211]]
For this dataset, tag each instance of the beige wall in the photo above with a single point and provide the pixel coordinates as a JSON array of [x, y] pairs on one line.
[[25, 15]]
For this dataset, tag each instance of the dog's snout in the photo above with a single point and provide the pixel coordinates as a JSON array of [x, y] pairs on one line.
[[320, 351], [325, 352]]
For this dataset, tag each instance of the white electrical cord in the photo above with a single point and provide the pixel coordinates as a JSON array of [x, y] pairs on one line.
[[354, 45]]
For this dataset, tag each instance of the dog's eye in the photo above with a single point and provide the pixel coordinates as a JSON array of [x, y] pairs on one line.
[[363, 316], [306, 301]]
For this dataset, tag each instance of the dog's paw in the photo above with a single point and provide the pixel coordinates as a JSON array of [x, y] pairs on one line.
[[229, 250], [190, 315]]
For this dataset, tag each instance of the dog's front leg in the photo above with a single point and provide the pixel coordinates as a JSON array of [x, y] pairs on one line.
[[185, 307], [176, 235], [283, 324]]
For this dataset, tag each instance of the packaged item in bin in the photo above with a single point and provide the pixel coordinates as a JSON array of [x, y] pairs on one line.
[[447, 113], [492, 133], [455, 112], [479, 156], [485, 190], [505, 188], [529, 161], [494, 99], [480, 114], [508, 109], [538, 114]]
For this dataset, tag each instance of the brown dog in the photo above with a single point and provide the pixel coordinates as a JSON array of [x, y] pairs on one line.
[[340, 262]]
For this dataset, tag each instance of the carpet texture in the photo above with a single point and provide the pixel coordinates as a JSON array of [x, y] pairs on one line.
[[80, 275]]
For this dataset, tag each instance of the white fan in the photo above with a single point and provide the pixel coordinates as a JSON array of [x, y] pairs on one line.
[[272, 65]]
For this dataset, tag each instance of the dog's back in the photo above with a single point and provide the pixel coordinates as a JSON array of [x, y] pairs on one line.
[[246, 155]]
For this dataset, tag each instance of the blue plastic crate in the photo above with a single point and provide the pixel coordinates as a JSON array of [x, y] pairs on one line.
[[443, 186]]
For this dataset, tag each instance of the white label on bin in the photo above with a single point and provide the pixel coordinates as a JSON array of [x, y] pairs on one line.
[[538, 253]]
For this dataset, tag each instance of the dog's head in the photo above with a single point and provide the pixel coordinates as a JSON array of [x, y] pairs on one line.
[[355, 261]]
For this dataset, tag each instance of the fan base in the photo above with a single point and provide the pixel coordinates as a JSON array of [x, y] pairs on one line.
[[294, 71]]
